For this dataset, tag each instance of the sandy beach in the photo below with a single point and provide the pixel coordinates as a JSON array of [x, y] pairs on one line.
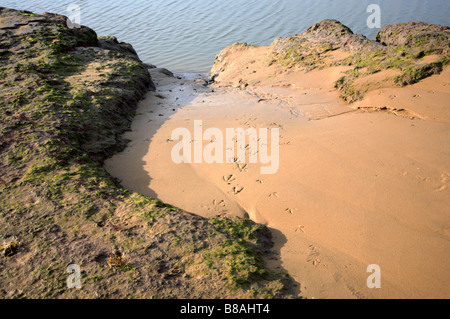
[[357, 185]]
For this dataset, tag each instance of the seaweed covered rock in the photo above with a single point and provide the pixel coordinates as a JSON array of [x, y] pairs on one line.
[[111, 43], [340, 36], [306, 48], [425, 37], [63, 72]]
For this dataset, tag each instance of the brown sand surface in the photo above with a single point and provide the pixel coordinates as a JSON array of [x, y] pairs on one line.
[[357, 185]]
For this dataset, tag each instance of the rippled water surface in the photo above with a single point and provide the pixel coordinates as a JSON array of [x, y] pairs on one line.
[[185, 35]]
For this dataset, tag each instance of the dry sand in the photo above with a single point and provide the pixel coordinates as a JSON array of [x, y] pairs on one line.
[[355, 186]]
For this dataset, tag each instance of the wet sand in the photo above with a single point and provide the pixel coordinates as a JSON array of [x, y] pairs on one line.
[[360, 185]]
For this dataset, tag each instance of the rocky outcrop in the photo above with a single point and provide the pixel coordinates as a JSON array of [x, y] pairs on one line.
[[61, 65], [327, 34], [417, 50], [111, 43], [66, 98], [426, 37]]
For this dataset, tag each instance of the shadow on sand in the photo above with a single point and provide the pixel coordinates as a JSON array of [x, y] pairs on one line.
[[163, 104]]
